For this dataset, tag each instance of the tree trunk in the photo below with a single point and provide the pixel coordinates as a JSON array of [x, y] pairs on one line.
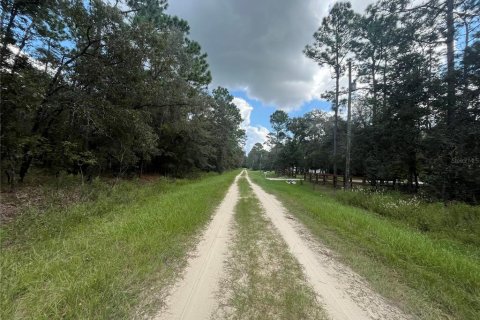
[[337, 89], [450, 94], [374, 90], [349, 128], [385, 84], [465, 76], [450, 63], [26, 162]]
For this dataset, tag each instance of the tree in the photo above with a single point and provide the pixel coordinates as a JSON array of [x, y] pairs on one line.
[[257, 157], [227, 120], [109, 87], [333, 44], [278, 121]]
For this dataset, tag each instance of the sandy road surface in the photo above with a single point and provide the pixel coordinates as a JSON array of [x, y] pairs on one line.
[[344, 294], [193, 298]]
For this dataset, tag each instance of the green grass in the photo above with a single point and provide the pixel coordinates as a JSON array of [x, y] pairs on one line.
[[107, 258], [428, 278], [264, 280], [457, 223]]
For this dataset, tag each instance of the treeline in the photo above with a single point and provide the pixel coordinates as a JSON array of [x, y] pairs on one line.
[[117, 87], [415, 101]]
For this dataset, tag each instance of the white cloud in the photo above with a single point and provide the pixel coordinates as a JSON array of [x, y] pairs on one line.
[[257, 45], [34, 62], [254, 133], [245, 111]]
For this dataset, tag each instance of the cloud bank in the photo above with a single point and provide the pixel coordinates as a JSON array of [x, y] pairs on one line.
[[257, 45]]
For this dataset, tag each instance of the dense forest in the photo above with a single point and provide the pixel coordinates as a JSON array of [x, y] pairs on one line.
[[412, 113], [118, 87], [109, 87]]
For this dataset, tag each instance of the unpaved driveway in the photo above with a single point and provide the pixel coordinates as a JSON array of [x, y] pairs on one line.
[[343, 294], [193, 298]]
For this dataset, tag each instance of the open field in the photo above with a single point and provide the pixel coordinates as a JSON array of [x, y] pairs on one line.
[[106, 258], [426, 277]]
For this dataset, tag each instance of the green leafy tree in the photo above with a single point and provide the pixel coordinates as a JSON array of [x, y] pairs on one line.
[[333, 44], [228, 135]]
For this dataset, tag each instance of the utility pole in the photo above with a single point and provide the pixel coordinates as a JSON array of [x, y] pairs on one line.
[[349, 128]]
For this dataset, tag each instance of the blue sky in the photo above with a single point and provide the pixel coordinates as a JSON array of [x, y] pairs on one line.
[[256, 115], [261, 112]]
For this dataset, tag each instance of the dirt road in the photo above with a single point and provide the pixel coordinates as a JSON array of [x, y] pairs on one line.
[[193, 298], [342, 293]]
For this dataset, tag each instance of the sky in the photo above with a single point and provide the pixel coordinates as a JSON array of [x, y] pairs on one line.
[[255, 48]]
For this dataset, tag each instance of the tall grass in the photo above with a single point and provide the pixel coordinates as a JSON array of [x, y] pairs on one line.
[[456, 221], [426, 277], [102, 258]]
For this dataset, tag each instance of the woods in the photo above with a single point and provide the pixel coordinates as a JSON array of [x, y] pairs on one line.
[[415, 99], [118, 87]]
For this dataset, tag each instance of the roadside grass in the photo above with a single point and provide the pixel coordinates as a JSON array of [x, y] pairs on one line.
[[457, 224], [428, 278], [102, 259], [264, 281]]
